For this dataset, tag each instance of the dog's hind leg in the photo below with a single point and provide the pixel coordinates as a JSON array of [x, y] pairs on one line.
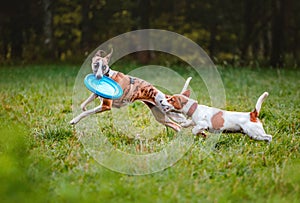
[[260, 137], [87, 101], [256, 132]]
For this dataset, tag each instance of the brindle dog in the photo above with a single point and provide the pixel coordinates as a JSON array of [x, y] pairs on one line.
[[133, 89]]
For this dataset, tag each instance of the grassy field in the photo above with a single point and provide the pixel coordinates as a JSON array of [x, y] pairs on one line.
[[42, 160]]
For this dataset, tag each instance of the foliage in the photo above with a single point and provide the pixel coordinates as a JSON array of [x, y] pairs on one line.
[[234, 32], [42, 160]]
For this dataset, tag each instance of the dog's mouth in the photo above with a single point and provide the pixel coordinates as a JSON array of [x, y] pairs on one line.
[[175, 110], [166, 108]]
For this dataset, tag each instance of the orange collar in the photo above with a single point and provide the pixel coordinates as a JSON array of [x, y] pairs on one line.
[[192, 109]]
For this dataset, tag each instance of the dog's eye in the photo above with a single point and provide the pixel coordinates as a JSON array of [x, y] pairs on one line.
[[96, 65]]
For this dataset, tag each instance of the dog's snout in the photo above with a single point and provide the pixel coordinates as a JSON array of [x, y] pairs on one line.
[[98, 69]]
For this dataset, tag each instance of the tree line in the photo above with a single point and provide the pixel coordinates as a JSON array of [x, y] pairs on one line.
[[238, 32]]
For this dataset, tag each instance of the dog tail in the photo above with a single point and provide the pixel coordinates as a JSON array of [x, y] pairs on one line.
[[254, 114], [187, 82]]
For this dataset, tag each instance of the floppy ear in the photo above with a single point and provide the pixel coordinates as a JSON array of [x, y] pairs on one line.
[[176, 102], [187, 93], [108, 56]]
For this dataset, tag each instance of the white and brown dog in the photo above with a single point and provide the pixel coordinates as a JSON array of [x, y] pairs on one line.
[[133, 89], [216, 120]]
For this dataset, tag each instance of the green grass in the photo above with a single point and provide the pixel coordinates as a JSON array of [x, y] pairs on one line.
[[41, 159]]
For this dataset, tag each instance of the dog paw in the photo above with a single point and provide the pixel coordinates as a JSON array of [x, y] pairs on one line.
[[187, 123], [175, 127], [202, 134], [268, 138], [73, 122]]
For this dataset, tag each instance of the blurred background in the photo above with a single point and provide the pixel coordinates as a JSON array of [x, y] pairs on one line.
[[234, 32]]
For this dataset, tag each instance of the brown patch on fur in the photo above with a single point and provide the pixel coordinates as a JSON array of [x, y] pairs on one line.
[[106, 105], [174, 102], [120, 78], [253, 116], [140, 90], [177, 101], [217, 121], [148, 92]]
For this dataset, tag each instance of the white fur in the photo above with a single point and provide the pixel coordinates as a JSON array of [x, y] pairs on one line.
[[233, 121], [162, 103]]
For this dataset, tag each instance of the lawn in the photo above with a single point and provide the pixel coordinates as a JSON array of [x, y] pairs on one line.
[[42, 159]]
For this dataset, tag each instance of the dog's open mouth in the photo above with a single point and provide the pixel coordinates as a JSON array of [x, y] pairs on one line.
[[167, 108]]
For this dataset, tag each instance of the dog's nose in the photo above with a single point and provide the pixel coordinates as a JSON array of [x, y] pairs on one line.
[[166, 108], [98, 76]]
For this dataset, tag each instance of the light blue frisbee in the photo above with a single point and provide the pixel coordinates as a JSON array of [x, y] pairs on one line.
[[104, 87]]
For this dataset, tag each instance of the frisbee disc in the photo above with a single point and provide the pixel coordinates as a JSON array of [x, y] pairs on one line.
[[104, 87]]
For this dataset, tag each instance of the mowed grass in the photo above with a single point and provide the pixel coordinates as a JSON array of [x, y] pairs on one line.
[[42, 160]]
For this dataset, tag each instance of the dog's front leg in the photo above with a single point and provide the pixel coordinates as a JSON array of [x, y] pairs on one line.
[[104, 106], [85, 114], [188, 123], [87, 101], [177, 117], [162, 118], [199, 130]]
